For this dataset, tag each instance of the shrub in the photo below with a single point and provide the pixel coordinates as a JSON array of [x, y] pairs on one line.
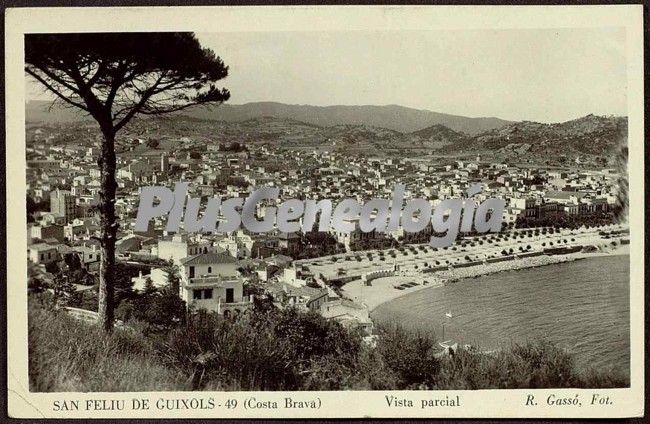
[[536, 364], [214, 347], [283, 350], [410, 355], [271, 349], [69, 355]]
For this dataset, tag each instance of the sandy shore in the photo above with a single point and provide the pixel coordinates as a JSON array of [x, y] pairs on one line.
[[382, 290]]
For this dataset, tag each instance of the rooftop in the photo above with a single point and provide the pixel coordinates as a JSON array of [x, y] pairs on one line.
[[208, 258], [41, 247]]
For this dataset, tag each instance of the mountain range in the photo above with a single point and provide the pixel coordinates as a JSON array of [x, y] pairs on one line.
[[372, 130], [393, 117]]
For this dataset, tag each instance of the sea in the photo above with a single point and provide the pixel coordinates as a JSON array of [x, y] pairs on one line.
[[582, 306]]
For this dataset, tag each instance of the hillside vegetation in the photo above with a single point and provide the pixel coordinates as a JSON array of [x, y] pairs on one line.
[[270, 349], [596, 137], [587, 135]]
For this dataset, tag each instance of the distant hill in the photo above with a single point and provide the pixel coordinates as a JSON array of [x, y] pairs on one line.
[[43, 112], [397, 118], [438, 136], [593, 135], [597, 136]]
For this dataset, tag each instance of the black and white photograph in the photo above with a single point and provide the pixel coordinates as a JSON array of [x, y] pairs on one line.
[[416, 213]]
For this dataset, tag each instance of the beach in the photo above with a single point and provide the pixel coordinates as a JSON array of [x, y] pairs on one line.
[[382, 290]]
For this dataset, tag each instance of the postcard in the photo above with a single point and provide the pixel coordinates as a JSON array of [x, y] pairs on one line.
[[325, 212]]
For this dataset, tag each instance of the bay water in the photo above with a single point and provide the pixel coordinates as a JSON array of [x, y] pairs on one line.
[[582, 306]]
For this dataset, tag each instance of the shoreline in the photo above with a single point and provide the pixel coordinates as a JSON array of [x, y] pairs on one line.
[[376, 295]]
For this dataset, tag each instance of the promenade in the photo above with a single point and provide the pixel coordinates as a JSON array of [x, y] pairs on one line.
[[467, 258]]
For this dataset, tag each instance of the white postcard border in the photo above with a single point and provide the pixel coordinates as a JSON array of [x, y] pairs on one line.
[[627, 402]]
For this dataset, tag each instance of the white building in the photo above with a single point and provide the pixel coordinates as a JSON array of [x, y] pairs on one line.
[[180, 247], [158, 279], [212, 281]]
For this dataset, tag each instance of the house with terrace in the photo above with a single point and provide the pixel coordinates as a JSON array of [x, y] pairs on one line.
[[212, 281]]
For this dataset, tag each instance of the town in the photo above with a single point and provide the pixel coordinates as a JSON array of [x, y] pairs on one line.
[[550, 210]]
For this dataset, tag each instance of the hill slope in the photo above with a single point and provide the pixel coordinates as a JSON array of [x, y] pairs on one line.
[[598, 136], [592, 135], [392, 117], [438, 136], [397, 118]]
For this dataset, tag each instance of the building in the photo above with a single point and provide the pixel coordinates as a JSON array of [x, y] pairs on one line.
[[211, 281], [158, 277], [357, 239], [89, 256], [349, 314], [42, 253], [181, 246], [238, 244], [550, 209], [564, 197], [304, 298], [524, 207], [43, 232], [63, 203], [80, 229], [289, 241]]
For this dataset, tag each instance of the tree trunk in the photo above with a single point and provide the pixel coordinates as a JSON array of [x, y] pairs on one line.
[[108, 224]]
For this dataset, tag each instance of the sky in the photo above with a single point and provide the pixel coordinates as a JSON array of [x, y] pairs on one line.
[[545, 75]]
